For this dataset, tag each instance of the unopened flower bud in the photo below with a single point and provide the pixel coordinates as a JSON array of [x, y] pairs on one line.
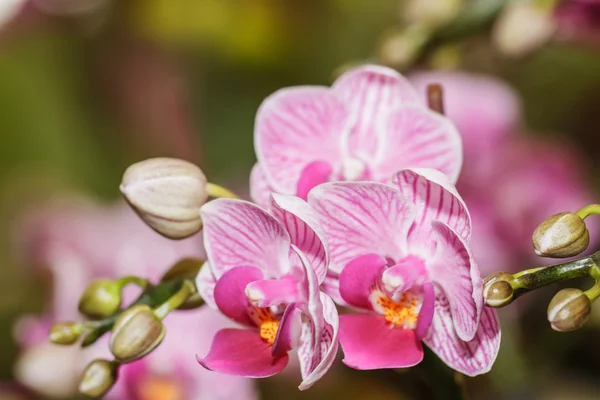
[[136, 333], [98, 377], [497, 290], [101, 299], [65, 333], [187, 268], [167, 194], [569, 310], [561, 235]]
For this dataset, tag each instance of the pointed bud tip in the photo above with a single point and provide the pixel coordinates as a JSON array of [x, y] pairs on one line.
[[136, 333], [167, 194], [561, 235], [569, 310]]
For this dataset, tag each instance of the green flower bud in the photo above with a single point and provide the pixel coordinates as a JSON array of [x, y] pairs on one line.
[[167, 194], [65, 333], [98, 377], [569, 310], [560, 236], [101, 299], [136, 333], [187, 268], [497, 290]]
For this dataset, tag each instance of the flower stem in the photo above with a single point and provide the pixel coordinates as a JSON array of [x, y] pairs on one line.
[[217, 191], [126, 280], [592, 209], [186, 290]]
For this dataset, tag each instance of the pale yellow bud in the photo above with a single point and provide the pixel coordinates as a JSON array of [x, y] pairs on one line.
[[136, 333], [561, 235], [101, 299], [98, 377], [569, 310], [65, 333], [167, 194], [497, 290]]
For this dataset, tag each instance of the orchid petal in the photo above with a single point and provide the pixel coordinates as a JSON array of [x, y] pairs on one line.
[[359, 278], [289, 330], [305, 230], [427, 310], [271, 292], [362, 218], [406, 273], [260, 190], [313, 174], [371, 92], [417, 137], [239, 233], [456, 272], [230, 293], [205, 284], [471, 358], [331, 286], [295, 127], [242, 352], [369, 342]]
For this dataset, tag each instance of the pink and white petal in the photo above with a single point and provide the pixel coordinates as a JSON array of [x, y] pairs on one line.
[[324, 350], [305, 230], [239, 233], [294, 127], [471, 358], [260, 190], [312, 175], [454, 269], [230, 293], [371, 92], [273, 292], [331, 286], [369, 342], [289, 330], [205, 283], [406, 273], [362, 218], [310, 302], [359, 278], [427, 310], [242, 352], [417, 137]]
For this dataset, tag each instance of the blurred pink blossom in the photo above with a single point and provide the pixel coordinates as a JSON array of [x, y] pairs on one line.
[[79, 241], [510, 182], [579, 20]]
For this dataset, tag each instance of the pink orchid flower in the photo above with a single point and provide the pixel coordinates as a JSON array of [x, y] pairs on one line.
[[368, 125], [401, 255], [264, 273]]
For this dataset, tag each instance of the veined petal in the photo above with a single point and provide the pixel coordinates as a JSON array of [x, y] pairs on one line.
[[471, 358], [312, 175], [272, 292], [371, 92], [305, 230], [289, 330], [242, 352], [294, 127], [260, 190], [427, 310], [230, 293], [331, 286], [205, 283], [239, 233], [369, 342], [455, 271], [359, 278], [417, 137], [362, 218], [324, 349]]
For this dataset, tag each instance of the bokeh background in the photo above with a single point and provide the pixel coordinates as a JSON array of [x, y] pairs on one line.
[[88, 87]]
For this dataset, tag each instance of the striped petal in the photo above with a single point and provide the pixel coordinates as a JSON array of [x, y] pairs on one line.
[[371, 92], [260, 190], [238, 233], [206, 282], [295, 127], [417, 137], [435, 198], [471, 358], [305, 230], [455, 271], [362, 218]]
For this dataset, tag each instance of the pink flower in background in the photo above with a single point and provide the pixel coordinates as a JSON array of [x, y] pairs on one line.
[[579, 20], [509, 182], [368, 125], [79, 242], [401, 255], [265, 272]]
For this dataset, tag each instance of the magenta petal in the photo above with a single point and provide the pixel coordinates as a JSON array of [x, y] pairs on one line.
[[260, 190], [288, 332], [313, 174], [294, 127], [362, 218], [369, 342], [472, 358], [242, 352], [427, 310], [358, 279], [271, 292], [305, 230], [455, 271], [403, 275], [230, 293]]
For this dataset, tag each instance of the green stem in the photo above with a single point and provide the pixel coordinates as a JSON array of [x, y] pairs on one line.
[[217, 191], [184, 293], [126, 280], [592, 209]]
